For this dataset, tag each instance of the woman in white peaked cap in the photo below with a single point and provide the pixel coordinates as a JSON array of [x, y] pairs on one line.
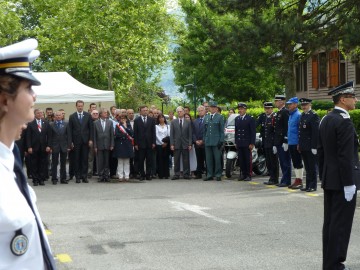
[[23, 242]]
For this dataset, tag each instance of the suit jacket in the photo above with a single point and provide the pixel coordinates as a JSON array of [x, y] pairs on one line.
[[245, 132], [59, 137], [144, 134], [80, 133], [103, 140], [35, 139], [198, 131], [213, 130], [181, 138], [338, 152]]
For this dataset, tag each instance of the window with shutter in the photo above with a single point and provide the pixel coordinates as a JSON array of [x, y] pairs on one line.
[[334, 68], [315, 72]]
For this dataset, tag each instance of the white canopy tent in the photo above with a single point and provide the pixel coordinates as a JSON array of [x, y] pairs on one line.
[[60, 87]]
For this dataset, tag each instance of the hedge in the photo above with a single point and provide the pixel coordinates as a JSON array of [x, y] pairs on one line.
[[354, 115]]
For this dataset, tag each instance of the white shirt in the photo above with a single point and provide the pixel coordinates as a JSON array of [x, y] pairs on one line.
[[15, 213], [161, 133]]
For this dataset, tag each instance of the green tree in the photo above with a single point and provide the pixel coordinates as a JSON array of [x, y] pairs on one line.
[[10, 23], [269, 38], [106, 44]]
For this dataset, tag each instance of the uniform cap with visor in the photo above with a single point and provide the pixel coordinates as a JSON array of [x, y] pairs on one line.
[[16, 60]]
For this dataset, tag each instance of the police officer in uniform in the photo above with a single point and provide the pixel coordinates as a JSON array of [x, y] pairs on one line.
[[23, 242], [308, 138], [272, 162], [245, 135], [339, 172], [214, 140], [281, 119]]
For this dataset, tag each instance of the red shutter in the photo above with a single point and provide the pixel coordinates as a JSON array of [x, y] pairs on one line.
[[315, 72], [334, 68]]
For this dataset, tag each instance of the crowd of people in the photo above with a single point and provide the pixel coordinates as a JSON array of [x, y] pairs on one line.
[[113, 144]]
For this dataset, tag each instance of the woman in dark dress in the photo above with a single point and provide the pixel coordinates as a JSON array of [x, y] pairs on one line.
[[123, 147]]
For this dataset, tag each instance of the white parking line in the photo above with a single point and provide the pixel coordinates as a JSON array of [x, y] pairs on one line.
[[197, 210]]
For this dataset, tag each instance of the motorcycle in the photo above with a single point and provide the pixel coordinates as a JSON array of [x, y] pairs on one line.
[[232, 162]]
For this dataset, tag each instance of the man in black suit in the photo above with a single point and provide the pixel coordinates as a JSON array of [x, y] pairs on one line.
[[199, 142], [59, 146], [181, 143], [38, 144], [144, 141], [80, 139], [339, 172]]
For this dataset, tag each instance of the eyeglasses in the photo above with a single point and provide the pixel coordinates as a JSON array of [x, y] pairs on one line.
[[95, 113]]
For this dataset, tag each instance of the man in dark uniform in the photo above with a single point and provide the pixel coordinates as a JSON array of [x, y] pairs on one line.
[[308, 138], [272, 162], [340, 175], [281, 119], [199, 143], [245, 135]]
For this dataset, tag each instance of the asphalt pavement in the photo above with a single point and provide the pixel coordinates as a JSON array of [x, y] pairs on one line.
[[186, 224]]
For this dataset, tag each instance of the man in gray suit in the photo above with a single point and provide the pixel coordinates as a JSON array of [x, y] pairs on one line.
[[103, 144], [59, 146], [180, 143]]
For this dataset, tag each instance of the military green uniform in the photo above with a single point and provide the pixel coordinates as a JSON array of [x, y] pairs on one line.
[[213, 140]]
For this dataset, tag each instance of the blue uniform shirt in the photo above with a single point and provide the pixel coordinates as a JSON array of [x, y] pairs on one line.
[[293, 127]]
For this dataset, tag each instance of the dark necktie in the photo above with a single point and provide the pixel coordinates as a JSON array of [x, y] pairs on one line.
[[22, 184], [58, 124], [180, 123], [201, 121], [80, 118], [211, 117]]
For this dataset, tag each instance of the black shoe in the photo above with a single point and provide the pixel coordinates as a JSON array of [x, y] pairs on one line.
[[70, 178], [247, 178], [142, 178], [187, 177], [63, 182], [78, 181], [54, 182], [101, 180], [241, 178], [304, 189], [148, 178], [175, 177], [271, 183], [208, 179], [218, 178], [35, 183], [311, 190], [85, 180], [41, 183], [283, 185], [198, 176]]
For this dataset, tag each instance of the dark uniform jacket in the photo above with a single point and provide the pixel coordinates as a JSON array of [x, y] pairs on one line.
[[198, 131], [269, 131], [245, 132], [308, 131], [213, 130], [338, 152], [281, 119], [260, 121]]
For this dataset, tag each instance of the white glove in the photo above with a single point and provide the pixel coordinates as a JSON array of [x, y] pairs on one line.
[[349, 192], [314, 151], [285, 146], [274, 150]]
